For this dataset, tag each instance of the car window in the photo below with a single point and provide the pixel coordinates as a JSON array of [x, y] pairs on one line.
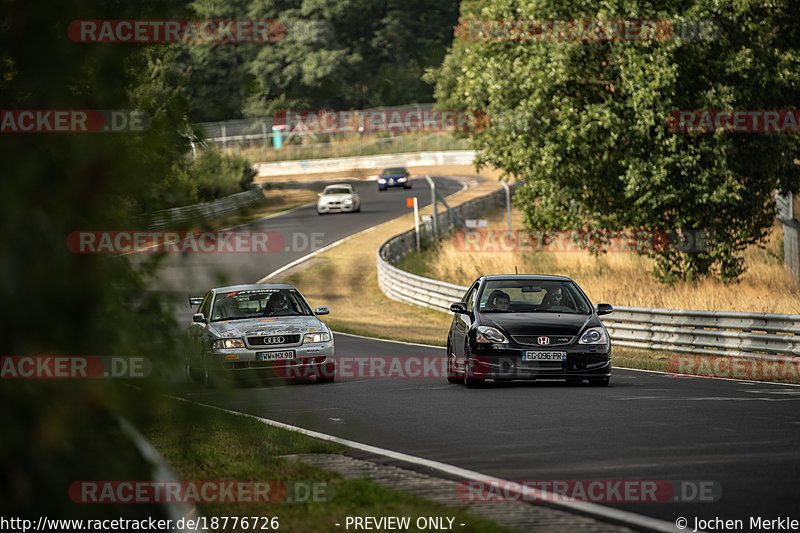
[[205, 306], [391, 171], [338, 190], [528, 296], [469, 298], [259, 303]]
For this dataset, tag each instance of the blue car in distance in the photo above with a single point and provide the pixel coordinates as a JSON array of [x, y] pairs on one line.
[[394, 177]]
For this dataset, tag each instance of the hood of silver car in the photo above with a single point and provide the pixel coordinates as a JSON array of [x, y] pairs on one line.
[[266, 326]]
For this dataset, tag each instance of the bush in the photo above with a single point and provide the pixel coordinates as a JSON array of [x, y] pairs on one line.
[[216, 174]]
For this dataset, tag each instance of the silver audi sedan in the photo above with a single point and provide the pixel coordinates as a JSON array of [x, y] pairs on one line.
[[269, 328]]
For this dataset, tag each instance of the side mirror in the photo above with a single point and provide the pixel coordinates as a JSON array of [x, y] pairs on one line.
[[321, 310], [604, 309], [195, 301], [460, 308], [198, 317]]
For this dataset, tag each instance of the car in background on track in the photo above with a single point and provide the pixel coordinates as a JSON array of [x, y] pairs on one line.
[[394, 177], [527, 327], [338, 199], [259, 327]]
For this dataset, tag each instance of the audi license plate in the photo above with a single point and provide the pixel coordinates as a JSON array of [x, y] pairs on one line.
[[544, 356], [273, 356]]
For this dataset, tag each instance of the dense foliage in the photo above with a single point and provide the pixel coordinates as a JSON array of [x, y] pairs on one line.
[[341, 54], [585, 123]]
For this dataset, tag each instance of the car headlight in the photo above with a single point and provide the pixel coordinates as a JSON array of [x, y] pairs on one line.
[[402, 179], [347, 201], [489, 334], [316, 337], [381, 180], [228, 343], [593, 336]]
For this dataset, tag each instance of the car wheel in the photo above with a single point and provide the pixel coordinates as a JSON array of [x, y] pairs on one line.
[[470, 382], [452, 375], [602, 382]]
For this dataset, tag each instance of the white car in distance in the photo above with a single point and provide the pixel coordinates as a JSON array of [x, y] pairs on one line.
[[338, 199]]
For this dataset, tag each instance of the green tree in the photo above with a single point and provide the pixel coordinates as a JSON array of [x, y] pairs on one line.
[[60, 303], [349, 53], [585, 123]]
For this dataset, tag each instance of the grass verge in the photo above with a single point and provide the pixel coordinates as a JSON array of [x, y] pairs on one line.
[[204, 444]]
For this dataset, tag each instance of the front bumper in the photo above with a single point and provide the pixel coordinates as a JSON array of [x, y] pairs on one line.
[[336, 208], [307, 360], [389, 184], [497, 361]]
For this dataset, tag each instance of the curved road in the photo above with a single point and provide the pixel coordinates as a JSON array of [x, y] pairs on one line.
[[303, 231], [743, 436]]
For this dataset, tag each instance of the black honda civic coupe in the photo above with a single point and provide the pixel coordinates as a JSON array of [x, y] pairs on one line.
[[526, 327]]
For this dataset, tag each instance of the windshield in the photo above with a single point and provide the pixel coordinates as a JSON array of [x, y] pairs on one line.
[[259, 303], [527, 296], [394, 171], [337, 190]]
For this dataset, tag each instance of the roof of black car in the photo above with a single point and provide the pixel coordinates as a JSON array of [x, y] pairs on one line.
[[537, 277]]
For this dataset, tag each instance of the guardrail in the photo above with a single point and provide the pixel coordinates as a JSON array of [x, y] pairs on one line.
[[338, 164], [194, 213], [761, 335]]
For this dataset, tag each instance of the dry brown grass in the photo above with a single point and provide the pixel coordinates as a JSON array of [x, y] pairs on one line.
[[345, 278], [624, 278], [364, 173]]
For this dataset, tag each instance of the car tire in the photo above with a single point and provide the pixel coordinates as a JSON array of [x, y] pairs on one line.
[[452, 375], [602, 382]]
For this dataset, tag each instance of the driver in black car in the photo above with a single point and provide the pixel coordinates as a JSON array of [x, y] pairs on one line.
[[555, 298], [498, 301]]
